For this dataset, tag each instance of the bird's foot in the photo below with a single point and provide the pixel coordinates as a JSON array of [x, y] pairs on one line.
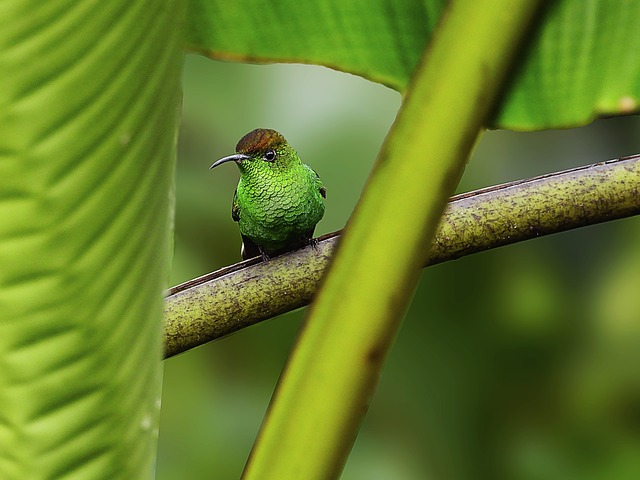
[[314, 243], [263, 254]]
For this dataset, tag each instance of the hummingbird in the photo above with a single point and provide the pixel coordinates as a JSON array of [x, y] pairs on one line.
[[278, 200]]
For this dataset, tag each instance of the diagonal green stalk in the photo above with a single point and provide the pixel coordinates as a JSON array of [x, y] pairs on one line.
[[331, 375]]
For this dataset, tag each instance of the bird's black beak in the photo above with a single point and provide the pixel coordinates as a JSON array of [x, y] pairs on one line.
[[238, 157]]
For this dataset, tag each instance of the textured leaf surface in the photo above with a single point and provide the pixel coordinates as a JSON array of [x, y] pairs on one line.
[[582, 60], [381, 40], [87, 119]]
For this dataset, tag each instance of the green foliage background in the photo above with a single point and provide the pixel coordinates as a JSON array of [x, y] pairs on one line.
[[526, 366]]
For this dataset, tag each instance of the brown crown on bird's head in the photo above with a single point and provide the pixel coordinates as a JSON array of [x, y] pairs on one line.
[[259, 140]]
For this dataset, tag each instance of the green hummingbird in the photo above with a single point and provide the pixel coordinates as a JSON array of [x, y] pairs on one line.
[[278, 200]]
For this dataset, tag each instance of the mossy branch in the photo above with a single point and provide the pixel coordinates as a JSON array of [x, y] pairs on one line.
[[235, 297]]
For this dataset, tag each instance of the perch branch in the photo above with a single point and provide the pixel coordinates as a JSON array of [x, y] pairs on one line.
[[235, 297]]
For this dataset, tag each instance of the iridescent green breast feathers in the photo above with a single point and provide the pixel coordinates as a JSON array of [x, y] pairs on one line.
[[279, 200]]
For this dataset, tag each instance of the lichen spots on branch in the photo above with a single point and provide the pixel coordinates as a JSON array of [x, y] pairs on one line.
[[259, 140]]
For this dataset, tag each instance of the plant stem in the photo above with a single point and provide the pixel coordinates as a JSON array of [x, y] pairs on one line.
[[332, 373]]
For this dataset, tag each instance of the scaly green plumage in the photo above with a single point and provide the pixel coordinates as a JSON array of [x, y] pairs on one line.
[[279, 200]]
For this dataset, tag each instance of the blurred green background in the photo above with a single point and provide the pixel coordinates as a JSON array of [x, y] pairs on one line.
[[519, 363]]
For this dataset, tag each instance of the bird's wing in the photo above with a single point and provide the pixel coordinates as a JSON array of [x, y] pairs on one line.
[[235, 208], [319, 184]]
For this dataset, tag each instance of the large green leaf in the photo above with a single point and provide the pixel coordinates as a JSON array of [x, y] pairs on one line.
[[87, 121], [582, 62], [381, 40]]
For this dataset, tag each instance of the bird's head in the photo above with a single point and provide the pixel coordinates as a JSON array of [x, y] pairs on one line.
[[261, 150]]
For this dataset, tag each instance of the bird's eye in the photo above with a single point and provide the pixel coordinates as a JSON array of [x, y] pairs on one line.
[[269, 155]]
